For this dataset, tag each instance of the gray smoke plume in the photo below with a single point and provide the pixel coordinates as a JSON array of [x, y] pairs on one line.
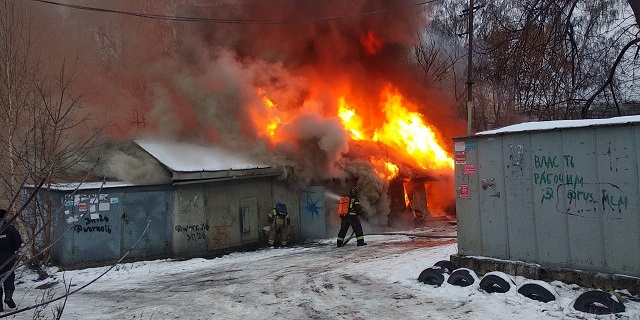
[[200, 81]]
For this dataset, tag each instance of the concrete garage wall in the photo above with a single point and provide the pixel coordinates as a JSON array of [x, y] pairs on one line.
[[563, 199], [220, 215], [281, 193]]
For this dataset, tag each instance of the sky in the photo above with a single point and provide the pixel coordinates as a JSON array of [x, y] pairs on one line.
[[313, 280]]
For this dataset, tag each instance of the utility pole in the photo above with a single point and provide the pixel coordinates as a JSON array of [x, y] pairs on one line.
[[470, 68]]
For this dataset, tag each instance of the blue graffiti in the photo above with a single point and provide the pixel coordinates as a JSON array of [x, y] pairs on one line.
[[312, 206]]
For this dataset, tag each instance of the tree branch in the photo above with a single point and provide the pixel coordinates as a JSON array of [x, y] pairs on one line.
[[585, 108]]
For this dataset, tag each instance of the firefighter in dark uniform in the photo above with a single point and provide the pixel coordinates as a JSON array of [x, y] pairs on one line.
[[10, 242], [352, 220]]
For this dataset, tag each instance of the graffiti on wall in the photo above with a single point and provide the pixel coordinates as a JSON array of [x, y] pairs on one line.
[[312, 205], [89, 212], [93, 223], [569, 190], [194, 232]]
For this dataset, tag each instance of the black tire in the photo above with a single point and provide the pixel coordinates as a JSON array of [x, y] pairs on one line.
[[446, 266], [432, 276], [536, 292], [461, 278], [492, 283], [598, 302]]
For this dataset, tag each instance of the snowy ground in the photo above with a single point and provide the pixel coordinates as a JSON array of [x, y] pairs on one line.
[[314, 281]]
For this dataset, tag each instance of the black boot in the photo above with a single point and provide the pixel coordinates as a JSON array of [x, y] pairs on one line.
[[1, 304], [339, 243], [9, 299], [361, 243]]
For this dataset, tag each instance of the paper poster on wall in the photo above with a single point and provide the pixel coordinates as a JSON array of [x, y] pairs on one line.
[[114, 200], [103, 206], [82, 207], [92, 208], [95, 216], [469, 169], [470, 145], [459, 146], [464, 191], [461, 158]]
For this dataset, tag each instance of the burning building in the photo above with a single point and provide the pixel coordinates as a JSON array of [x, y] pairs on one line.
[[327, 89]]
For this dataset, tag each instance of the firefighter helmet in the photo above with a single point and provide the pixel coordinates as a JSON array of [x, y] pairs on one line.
[[353, 192]]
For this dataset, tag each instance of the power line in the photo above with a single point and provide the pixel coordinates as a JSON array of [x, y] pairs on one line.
[[232, 21]]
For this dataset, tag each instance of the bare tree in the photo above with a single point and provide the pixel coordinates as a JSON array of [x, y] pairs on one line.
[[440, 52], [48, 131], [17, 73], [58, 142], [547, 60]]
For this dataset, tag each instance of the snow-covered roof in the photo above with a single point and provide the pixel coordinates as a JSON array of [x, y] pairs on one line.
[[85, 185], [186, 157], [560, 124]]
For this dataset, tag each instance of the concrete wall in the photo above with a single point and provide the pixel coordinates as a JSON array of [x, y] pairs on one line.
[[231, 213], [562, 198]]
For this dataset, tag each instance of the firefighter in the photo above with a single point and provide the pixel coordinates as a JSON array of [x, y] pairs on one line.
[[279, 223], [352, 220]]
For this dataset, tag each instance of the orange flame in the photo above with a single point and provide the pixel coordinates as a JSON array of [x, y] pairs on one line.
[[351, 121], [407, 131], [407, 202], [270, 121], [370, 42], [403, 131], [384, 169]]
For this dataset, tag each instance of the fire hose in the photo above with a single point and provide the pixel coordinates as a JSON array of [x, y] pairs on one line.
[[432, 236]]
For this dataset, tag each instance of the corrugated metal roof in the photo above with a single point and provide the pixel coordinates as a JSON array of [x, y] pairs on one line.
[[560, 124]]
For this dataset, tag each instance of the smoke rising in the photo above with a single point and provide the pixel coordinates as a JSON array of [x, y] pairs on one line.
[[200, 82]]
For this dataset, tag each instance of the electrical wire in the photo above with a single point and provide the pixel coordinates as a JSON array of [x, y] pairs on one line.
[[232, 21]]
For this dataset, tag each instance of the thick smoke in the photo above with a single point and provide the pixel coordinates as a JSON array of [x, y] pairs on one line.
[[199, 81]]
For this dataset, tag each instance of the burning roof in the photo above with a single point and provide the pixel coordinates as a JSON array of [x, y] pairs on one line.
[[327, 88]]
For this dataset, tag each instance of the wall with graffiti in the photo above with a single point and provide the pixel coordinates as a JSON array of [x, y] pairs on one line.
[[564, 198], [100, 225]]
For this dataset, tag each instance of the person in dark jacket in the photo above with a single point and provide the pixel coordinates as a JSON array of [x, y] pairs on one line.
[[10, 243], [352, 220]]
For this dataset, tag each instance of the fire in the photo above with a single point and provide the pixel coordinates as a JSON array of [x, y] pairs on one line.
[[407, 131], [384, 169], [269, 121], [407, 202], [351, 121], [370, 42], [402, 131]]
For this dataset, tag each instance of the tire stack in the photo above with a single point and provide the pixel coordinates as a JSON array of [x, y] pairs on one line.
[[594, 301]]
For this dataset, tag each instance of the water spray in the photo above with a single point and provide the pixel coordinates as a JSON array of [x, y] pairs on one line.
[[332, 195]]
